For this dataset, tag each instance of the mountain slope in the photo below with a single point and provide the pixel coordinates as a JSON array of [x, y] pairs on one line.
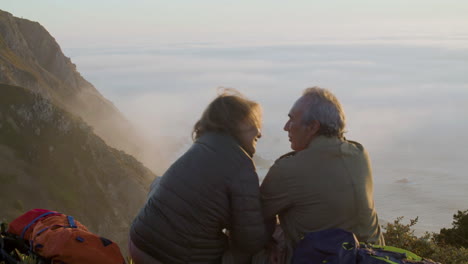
[[51, 159], [31, 58]]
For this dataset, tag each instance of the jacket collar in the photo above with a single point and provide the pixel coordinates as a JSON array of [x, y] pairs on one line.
[[321, 141], [221, 140]]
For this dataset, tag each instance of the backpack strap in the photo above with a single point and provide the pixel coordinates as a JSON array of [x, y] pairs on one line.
[[71, 222], [34, 221]]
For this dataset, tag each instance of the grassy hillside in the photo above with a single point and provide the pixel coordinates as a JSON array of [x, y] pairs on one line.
[[51, 159]]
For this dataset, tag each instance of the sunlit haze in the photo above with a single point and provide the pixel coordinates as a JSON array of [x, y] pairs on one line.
[[121, 22], [400, 69]]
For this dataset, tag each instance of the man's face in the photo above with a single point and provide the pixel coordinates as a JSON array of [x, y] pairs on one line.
[[300, 134]]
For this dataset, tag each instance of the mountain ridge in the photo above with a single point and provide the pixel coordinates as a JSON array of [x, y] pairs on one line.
[[31, 58], [61, 142]]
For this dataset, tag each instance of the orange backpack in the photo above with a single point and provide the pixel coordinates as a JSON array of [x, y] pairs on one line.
[[64, 240]]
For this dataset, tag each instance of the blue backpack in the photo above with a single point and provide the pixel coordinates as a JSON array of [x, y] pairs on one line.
[[337, 246]]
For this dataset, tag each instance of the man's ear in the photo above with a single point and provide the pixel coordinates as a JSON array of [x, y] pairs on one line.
[[314, 127]]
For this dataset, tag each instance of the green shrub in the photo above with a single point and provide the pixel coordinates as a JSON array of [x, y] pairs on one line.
[[427, 246], [457, 235]]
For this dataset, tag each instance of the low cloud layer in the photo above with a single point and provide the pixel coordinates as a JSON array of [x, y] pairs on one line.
[[405, 103]]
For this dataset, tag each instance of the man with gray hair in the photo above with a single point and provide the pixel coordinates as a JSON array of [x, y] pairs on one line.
[[326, 182]]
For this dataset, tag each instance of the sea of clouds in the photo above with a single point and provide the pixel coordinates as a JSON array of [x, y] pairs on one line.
[[407, 103]]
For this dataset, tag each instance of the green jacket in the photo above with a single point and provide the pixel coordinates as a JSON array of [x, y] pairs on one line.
[[328, 185]]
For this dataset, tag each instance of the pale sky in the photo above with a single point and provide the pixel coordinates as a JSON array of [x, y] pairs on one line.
[[124, 22]]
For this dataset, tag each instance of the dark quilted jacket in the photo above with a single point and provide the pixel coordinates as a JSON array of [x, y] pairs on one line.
[[212, 187]]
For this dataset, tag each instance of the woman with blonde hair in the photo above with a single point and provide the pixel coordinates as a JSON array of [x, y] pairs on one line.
[[206, 207]]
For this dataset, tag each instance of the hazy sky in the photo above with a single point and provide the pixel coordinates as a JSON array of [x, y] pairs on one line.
[[122, 22]]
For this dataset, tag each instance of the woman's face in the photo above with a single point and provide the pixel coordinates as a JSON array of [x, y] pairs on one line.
[[249, 135]]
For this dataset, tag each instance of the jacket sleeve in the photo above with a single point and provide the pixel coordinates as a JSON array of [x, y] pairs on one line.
[[274, 193], [247, 233]]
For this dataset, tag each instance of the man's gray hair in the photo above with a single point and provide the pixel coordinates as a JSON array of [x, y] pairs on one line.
[[324, 107]]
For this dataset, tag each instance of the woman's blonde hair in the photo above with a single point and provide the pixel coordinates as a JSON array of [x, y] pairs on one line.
[[225, 114]]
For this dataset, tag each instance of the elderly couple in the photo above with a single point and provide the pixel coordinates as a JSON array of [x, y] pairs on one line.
[[208, 206]]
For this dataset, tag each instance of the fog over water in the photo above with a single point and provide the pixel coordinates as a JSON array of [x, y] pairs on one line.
[[406, 103]]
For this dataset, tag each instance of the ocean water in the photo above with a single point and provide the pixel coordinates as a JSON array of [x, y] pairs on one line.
[[407, 103]]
